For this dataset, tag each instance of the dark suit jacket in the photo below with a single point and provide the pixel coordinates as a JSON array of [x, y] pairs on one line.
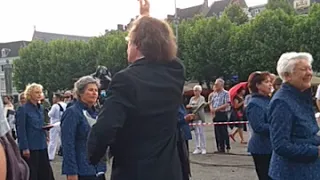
[[139, 122]]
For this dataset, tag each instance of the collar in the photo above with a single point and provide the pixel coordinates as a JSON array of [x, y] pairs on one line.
[[260, 96], [85, 107], [33, 105], [176, 63], [306, 95]]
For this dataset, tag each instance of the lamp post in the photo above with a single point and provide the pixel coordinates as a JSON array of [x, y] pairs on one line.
[[176, 20], [7, 68]]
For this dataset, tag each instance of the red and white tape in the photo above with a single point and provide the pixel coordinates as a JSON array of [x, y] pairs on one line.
[[218, 123]]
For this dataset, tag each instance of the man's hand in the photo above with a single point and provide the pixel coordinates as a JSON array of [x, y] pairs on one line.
[[144, 7], [189, 117], [73, 177], [26, 153], [212, 110]]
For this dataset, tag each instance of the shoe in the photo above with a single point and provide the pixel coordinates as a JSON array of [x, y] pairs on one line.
[[228, 150], [203, 151], [243, 142], [197, 151]]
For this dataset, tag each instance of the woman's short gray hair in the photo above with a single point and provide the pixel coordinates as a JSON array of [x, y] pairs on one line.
[[81, 85], [288, 61]]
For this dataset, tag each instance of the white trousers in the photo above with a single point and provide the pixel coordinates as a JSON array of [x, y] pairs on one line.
[[54, 141], [200, 137]]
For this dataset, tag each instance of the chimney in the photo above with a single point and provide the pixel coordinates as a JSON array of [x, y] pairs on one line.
[[206, 3], [120, 27]]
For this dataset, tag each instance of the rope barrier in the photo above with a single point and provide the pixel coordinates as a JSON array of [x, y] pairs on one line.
[[218, 123]]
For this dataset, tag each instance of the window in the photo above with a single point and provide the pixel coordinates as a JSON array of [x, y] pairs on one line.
[[301, 4], [2, 84]]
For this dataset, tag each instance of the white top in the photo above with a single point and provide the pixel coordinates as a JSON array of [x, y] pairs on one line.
[[55, 113], [318, 93]]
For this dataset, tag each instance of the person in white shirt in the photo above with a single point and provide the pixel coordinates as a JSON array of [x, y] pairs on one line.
[[55, 114], [318, 97]]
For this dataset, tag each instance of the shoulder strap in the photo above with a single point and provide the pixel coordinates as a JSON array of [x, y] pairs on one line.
[[61, 108]]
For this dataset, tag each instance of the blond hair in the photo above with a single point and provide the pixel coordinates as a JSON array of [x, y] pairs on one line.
[[30, 88]]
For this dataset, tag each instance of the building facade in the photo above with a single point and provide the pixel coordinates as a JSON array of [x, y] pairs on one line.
[[9, 52]]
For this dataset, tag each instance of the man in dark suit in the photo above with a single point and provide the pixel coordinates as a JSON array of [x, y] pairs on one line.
[[138, 120]]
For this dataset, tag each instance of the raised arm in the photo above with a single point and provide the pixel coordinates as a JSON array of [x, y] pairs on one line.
[[144, 7]]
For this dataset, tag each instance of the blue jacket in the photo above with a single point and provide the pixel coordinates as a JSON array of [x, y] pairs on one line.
[[74, 134], [256, 113], [182, 124], [293, 135], [29, 123]]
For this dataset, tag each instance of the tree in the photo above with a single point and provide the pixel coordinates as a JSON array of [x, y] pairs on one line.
[[182, 43], [236, 14], [65, 61], [259, 44], [281, 4], [306, 34], [26, 69], [110, 50], [206, 48]]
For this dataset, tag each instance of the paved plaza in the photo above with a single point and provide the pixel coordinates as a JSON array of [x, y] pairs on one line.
[[237, 165]]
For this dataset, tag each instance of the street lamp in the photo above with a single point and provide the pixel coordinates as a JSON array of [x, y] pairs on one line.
[[7, 68], [176, 20]]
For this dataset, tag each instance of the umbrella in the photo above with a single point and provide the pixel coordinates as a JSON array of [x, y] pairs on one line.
[[235, 88]]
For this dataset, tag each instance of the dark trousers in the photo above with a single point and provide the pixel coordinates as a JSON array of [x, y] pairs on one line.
[[221, 132], [187, 144], [91, 178], [39, 164], [262, 162]]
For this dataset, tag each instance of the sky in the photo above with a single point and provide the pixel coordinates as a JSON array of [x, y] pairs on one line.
[[78, 17]]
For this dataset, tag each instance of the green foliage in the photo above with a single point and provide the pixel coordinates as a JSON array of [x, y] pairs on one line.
[[209, 47], [236, 14], [259, 44], [27, 69], [280, 4], [58, 63]]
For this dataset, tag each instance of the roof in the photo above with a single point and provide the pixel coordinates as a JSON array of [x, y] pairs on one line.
[[218, 6], [258, 6], [44, 36], [189, 12], [13, 48]]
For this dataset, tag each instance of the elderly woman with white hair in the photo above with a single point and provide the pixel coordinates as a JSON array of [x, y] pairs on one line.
[[194, 103], [294, 128], [32, 138], [76, 125]]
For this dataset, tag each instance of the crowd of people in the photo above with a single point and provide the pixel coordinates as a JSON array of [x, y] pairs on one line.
[[144, 126]]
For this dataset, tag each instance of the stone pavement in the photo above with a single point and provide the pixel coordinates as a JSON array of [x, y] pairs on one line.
[[237, 165]]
